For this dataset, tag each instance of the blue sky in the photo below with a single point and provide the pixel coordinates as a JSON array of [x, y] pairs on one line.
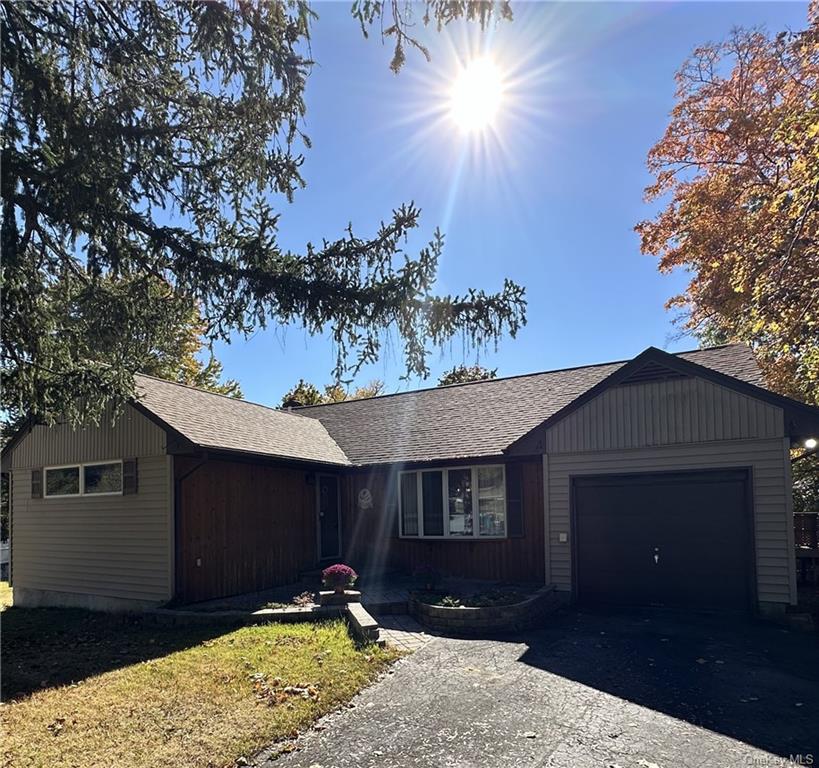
[[550, 200]]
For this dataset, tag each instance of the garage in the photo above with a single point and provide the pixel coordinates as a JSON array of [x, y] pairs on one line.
[[676, 540]]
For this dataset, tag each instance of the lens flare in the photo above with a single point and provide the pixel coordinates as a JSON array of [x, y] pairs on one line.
[[477, 95]]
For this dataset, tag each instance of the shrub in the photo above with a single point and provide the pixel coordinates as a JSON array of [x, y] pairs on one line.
[[338, 575]]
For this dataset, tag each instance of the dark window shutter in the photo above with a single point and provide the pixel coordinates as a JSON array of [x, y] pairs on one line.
[[514, 500], [36, 483], [129, 476]]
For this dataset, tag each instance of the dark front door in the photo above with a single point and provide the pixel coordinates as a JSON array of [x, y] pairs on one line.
[[676, 540], [329, 524]]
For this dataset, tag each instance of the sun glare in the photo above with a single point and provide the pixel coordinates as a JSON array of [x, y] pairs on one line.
[[476, 95]]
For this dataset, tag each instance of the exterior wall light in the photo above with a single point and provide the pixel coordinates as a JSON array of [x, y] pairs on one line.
[[810, 443]]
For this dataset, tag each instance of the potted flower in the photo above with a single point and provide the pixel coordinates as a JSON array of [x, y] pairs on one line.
[[426, 577], [338, 577]]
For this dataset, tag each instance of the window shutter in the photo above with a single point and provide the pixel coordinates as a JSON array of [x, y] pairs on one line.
[[514, 500], [129, 476], [36, 483]]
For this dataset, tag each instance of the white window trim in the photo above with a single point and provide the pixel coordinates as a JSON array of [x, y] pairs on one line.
[[447, 536], [81, 468]]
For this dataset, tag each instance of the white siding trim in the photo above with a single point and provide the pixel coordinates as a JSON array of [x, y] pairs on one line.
[[547, 557], [789, 501]]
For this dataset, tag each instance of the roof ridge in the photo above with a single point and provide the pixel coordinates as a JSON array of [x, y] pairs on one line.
[[505, 378]]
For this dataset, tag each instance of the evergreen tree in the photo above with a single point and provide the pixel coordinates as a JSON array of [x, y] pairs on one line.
[[152, 141]]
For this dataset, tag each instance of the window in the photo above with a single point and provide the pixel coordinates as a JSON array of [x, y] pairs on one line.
[[460, 502], [62, 481], [102, 478], [491, 501], [432, 486], [409, 504], [456, 503], [84, 479]]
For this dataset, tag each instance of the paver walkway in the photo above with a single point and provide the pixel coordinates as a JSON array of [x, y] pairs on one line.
[[591, 691], [403, 632]]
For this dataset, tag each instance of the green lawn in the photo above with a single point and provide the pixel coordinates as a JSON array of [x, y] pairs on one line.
[[5, 595], [90, 689]]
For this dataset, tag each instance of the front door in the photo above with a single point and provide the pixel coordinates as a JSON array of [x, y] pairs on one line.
[[329, 523]]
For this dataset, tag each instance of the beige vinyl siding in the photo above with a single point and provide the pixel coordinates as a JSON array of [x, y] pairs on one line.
[[132, 434], [112, 546], [689, 410], [768, 460]]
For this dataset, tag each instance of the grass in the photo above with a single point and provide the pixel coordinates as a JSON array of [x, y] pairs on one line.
[[91, 689], [5, 595]]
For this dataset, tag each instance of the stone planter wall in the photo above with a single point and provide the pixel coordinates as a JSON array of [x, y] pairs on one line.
[[490, 620]]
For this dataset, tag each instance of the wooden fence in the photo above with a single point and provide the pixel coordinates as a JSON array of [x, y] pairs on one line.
[[806, 538]]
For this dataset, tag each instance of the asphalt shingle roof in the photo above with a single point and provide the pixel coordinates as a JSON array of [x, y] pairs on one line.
[[456, 422], [218, 422], [481, 418]]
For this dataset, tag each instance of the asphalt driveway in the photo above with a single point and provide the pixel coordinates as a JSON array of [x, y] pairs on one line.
[[594, 689]]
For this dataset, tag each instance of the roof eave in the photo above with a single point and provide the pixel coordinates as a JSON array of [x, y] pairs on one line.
[[278, 458]]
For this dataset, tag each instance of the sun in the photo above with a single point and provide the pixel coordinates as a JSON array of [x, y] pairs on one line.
[[477, 94]]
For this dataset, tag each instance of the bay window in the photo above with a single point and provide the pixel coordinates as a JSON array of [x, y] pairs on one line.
[[457, 502]]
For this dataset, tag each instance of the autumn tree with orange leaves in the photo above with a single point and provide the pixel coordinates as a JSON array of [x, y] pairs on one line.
[[738, 173]]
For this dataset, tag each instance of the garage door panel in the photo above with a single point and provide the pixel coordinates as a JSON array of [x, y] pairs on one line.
[[663, 539]]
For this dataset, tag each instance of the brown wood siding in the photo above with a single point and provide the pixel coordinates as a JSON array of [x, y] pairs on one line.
[[251, 526], [371, 539]]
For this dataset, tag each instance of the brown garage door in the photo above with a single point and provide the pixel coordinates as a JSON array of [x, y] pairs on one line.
[[675, 540]]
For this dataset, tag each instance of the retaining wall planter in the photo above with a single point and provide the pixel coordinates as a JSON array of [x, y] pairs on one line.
[[331, 597], [362, 625], [493, 619], [238, 618]]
